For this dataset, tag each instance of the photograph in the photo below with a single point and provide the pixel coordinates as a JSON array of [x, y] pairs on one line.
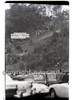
[[36, 50]]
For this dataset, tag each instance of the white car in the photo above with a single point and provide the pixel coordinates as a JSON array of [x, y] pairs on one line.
[[24, 88], [39, 88], [17, 88], [59, 90]]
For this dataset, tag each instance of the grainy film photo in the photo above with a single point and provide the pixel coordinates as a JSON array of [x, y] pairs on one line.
[[36, 50]]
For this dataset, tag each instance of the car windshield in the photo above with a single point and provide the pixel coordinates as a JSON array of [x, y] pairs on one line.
[[51, 76], [29, 79], [38, 77]]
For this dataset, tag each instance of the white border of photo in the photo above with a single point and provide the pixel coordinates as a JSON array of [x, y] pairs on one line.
[[2, 46]]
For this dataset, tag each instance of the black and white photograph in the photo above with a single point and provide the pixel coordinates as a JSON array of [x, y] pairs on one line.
[[36, 50]]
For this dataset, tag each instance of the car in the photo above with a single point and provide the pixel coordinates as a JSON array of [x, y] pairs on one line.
[[39, 88], [59, 90], [16, 88], [10, 88], [18, 77], [21, 77], [51, 78]]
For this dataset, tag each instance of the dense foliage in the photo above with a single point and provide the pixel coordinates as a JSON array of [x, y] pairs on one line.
[[41, 51]]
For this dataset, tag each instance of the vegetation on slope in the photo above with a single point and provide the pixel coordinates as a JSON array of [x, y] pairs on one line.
[[49, 38]]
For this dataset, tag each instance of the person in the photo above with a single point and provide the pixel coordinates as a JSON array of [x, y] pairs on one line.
[[46, 80], [65, 78], [59, 77]]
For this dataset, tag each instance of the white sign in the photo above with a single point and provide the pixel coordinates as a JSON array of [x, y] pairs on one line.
[[20, 35]]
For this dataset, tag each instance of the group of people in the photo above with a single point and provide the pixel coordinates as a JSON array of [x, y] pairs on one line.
[[64, 77]]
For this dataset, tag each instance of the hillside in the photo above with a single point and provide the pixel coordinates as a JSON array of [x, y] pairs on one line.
[[42, 53], [48, 45]]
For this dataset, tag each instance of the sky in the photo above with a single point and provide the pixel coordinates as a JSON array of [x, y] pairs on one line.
[[64, 7]]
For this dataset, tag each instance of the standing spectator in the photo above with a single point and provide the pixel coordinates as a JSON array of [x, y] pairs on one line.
[[65, 78], [59, 77]]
